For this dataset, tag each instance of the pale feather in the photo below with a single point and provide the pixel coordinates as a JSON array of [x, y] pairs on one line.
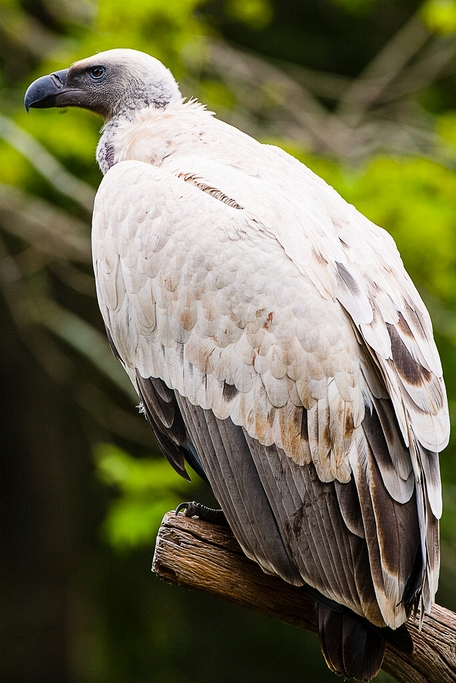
[[204, 228]]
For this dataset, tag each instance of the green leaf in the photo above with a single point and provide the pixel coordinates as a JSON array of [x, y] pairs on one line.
[[440, 16], [256, 14], [147, 488]]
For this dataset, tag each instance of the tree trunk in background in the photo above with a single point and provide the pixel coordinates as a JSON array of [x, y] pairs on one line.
[[43, 483]]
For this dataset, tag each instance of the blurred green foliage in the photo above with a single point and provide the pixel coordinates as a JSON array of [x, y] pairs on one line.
[[254, 13], [360, 90], [440, 15], [147, 488]]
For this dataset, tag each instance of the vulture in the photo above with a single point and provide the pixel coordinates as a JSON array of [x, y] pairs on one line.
[[277, 346]]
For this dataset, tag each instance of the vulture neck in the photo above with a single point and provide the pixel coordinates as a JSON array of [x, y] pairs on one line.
[[152, 133]]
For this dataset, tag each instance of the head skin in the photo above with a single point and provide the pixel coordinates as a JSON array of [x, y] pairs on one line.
[[112, 83]]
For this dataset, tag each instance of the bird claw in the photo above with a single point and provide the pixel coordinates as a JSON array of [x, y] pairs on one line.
[[206, 514]]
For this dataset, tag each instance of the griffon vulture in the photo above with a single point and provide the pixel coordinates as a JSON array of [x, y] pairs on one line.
[[276, 343]]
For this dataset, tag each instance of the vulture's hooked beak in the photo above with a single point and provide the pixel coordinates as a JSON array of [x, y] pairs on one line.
[[51, 91]]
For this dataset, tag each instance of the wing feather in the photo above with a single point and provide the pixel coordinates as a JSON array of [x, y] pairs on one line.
[[302, 361], [163, 415], [235, 482]]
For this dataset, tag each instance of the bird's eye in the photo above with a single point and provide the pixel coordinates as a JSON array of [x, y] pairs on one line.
[[97, 72]]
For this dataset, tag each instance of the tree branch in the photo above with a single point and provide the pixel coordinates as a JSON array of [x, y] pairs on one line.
[[207, 558]]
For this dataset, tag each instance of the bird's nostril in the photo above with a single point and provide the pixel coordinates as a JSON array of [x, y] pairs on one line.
[[59, 77]]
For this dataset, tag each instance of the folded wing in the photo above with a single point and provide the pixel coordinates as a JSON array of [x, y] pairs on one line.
[[297, 362]]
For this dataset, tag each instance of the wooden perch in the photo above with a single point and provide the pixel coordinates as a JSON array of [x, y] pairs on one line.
[[206, 557]]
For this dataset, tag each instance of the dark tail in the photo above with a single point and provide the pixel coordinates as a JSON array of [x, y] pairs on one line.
[[352, 646]]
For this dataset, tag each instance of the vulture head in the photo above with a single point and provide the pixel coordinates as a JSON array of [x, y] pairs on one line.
[[109, 83]]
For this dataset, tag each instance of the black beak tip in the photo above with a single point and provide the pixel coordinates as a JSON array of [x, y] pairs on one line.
[[28, 102], [28, 98]]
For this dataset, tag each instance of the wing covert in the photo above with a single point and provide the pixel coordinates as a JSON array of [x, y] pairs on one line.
[[185, 284]]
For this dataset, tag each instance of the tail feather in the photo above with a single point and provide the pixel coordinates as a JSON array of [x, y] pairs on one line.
[[350, 646]]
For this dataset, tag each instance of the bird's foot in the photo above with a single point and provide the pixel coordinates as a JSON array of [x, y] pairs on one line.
[[193, 509]]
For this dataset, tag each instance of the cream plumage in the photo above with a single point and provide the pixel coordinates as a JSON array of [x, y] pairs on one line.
[[270, 330]]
